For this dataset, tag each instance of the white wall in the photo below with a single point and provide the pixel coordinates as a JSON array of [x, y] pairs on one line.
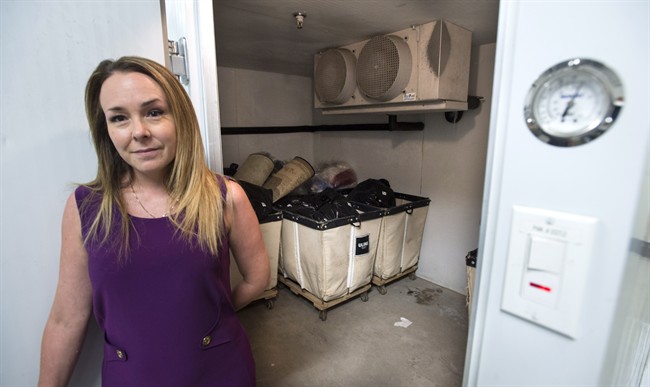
[[254, 98], [453, 174], [600, 179], [445, 162], [48, 51]]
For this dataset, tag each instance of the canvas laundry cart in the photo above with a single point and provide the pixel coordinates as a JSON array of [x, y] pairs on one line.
[[329, 262], [400, 240], [270, 227]]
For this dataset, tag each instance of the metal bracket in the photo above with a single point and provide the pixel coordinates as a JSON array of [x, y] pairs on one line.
[[178, 59], [473, 102]]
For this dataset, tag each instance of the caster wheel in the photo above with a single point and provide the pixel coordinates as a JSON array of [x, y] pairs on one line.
[[364, 296], [270, 304], [412, 276], [382, 290], [322, 315]]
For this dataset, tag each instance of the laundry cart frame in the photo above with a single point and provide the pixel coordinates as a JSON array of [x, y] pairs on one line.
[[400, 240], [329, 262]]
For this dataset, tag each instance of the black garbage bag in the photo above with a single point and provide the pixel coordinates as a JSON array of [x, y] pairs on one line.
[[323, 206], [231, 170], [335, 206], [470, 258], [373, 192], [261, 199], [304, 205]]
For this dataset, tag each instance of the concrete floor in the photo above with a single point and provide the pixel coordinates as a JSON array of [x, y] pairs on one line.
[[359, 344]]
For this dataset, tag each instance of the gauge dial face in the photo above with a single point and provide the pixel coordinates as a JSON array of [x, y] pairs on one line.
[[573, 102]]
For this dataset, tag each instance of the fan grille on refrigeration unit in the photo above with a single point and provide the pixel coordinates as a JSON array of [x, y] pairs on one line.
[[334, 77], [384, 67]]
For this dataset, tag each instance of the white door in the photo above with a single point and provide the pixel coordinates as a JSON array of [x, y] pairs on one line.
[[193, 21], [533, 324], [49, 50]]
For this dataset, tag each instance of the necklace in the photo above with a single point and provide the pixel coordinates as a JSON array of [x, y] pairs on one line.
[[166, 214]]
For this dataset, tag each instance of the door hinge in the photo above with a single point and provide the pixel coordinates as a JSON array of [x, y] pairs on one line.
[[178, 59]]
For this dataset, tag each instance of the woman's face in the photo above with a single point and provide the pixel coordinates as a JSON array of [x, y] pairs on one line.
[[139, 121]]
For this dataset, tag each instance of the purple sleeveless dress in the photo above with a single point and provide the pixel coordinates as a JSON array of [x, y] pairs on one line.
[[166, 313]]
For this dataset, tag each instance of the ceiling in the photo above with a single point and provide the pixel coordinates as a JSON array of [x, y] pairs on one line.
[[262, 34]]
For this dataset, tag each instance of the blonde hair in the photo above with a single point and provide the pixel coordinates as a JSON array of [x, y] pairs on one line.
[[199, 210]]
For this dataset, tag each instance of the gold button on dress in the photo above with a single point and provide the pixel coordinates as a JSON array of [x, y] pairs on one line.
[[207, 340]]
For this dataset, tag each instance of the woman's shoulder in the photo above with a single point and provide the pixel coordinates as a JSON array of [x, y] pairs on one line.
[[234, 190], [84, 191], [224, 182], [87, 196], [222, 178]]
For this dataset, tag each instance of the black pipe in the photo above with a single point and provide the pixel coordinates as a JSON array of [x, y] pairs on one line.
[[392, 126], [473, 102]]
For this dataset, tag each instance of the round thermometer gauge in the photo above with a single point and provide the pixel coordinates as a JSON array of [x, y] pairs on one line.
[[573, 102]]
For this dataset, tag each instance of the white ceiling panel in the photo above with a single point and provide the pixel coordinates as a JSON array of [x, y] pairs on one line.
[[262, 34]]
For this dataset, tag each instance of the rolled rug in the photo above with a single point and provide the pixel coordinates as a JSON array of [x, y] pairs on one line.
[[292, 174], [256, 169]]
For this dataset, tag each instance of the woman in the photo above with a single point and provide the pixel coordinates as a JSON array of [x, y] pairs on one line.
[[145, 246]]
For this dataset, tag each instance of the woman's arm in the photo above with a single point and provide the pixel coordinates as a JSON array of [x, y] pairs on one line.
[[247, 247], [66, 326]]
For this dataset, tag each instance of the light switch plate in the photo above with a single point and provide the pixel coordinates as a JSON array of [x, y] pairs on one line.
[[547, 266], [546, 254]]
